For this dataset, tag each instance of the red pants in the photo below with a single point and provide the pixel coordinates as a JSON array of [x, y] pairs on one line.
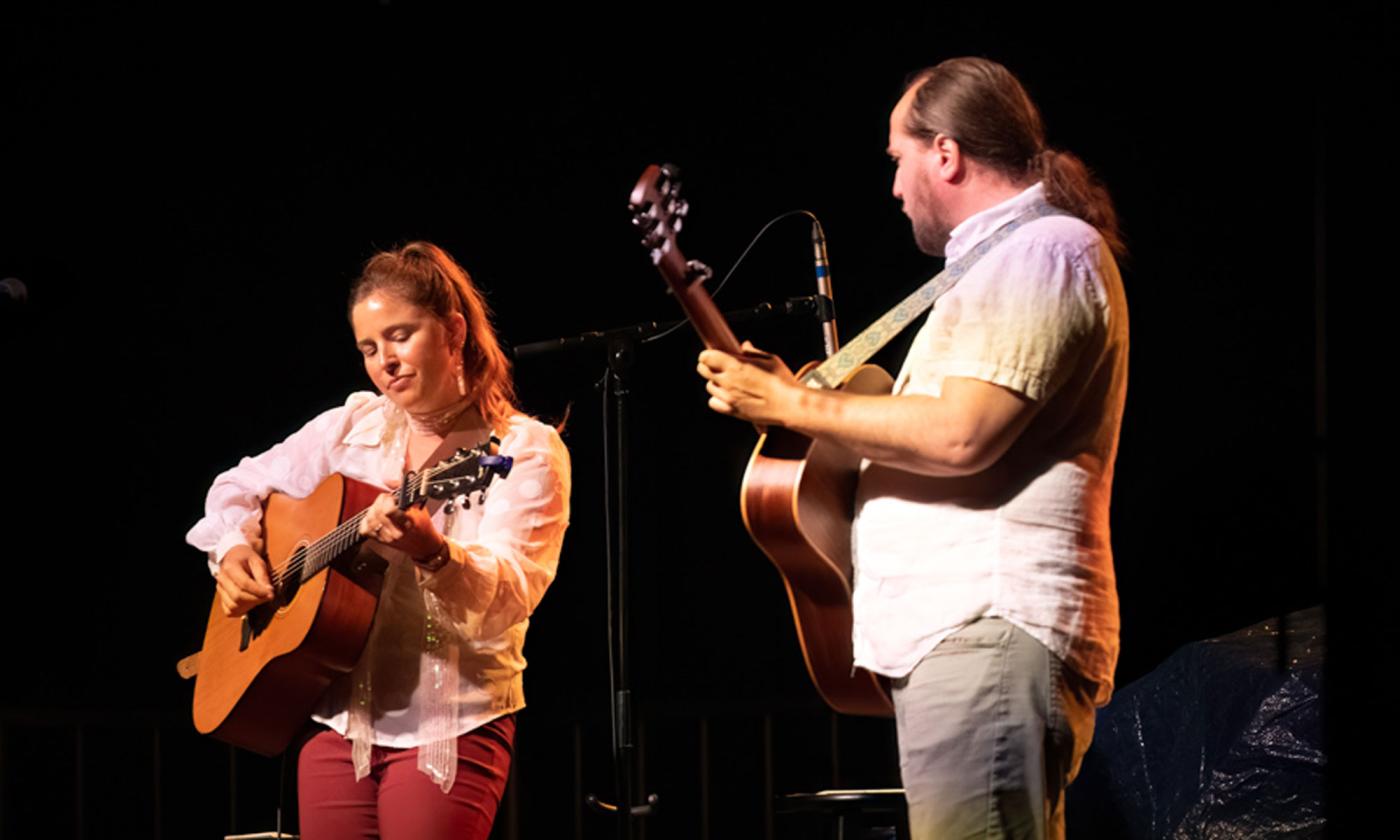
[[397, 801]]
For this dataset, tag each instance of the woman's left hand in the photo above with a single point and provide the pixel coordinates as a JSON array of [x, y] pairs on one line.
[[411, 531]]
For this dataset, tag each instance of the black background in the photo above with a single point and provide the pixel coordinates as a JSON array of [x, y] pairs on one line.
[[187, 198]]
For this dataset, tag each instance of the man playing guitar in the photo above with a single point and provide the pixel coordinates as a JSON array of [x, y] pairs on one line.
[[984, 583]]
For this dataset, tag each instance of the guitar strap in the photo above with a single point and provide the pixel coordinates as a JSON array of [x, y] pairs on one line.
[[833, 371]]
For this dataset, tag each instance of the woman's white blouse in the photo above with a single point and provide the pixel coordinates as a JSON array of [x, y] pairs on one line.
[[446, 652]]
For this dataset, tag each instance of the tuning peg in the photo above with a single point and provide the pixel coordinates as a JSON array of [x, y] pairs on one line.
[[699, 271], [500, 463]]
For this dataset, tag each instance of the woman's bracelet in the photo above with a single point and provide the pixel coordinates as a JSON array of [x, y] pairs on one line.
[[436, 560]]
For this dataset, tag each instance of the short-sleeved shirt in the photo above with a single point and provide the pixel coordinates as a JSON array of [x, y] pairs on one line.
[[1042, 314]]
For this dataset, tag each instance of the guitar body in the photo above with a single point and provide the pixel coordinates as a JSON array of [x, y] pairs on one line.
[[261, 676], [798, 501]]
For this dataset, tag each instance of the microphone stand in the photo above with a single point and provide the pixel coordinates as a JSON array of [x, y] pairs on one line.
[[817, 306], [620, 345]]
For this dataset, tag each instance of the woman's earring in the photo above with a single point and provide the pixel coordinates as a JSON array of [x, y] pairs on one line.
[[461, 377]]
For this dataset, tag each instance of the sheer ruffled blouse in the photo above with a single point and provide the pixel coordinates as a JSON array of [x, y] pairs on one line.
[[446, 652]]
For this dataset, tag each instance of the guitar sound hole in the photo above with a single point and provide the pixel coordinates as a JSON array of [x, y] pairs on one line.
[[286, 587]]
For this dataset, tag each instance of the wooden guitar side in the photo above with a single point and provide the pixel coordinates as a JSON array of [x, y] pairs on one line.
[[797, 502], [258, 698]]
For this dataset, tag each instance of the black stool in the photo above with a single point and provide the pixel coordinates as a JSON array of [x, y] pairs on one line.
[[854, 814]]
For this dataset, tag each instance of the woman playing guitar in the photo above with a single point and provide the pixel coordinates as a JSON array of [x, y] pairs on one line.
[[416, 740]]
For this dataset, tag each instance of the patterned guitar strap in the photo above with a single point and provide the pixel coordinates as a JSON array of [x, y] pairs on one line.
[[833, 371]]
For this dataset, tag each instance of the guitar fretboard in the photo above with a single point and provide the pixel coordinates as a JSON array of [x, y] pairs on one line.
[[318, 555]]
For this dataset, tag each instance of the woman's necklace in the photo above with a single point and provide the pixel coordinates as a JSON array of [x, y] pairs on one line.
[[437, 423]]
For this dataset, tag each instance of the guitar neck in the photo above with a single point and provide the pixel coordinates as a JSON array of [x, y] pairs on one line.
[[695, 300], [657, 211], [416, 487]]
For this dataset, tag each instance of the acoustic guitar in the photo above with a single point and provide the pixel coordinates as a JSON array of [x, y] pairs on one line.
[[261, 675], [798, 494]]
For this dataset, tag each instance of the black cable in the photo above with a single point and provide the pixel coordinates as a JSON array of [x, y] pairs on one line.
[[735, 267]]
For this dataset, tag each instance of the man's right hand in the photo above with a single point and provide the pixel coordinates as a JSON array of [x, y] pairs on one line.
[[243, 581], [754, 386]]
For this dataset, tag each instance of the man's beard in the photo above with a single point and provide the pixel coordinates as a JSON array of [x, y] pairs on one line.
[[930, 223], [931, 235]]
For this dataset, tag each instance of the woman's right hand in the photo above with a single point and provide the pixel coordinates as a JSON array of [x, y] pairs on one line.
[[243, 581]]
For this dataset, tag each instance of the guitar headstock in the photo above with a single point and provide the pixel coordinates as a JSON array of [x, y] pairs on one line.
[[658, 211], [464, 472]]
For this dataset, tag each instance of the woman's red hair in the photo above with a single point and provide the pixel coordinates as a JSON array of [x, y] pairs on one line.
[[423, 274]]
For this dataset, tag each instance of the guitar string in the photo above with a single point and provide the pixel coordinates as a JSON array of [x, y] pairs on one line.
[[340, 538], [316, 551], [327, 547]]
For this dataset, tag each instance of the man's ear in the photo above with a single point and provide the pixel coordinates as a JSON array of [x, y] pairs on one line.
[[945, 158]]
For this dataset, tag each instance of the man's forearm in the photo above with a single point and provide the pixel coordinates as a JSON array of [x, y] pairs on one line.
[[959, 434]]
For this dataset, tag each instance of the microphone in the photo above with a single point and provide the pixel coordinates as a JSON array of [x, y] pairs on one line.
[[828, 316], [13, 295]]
